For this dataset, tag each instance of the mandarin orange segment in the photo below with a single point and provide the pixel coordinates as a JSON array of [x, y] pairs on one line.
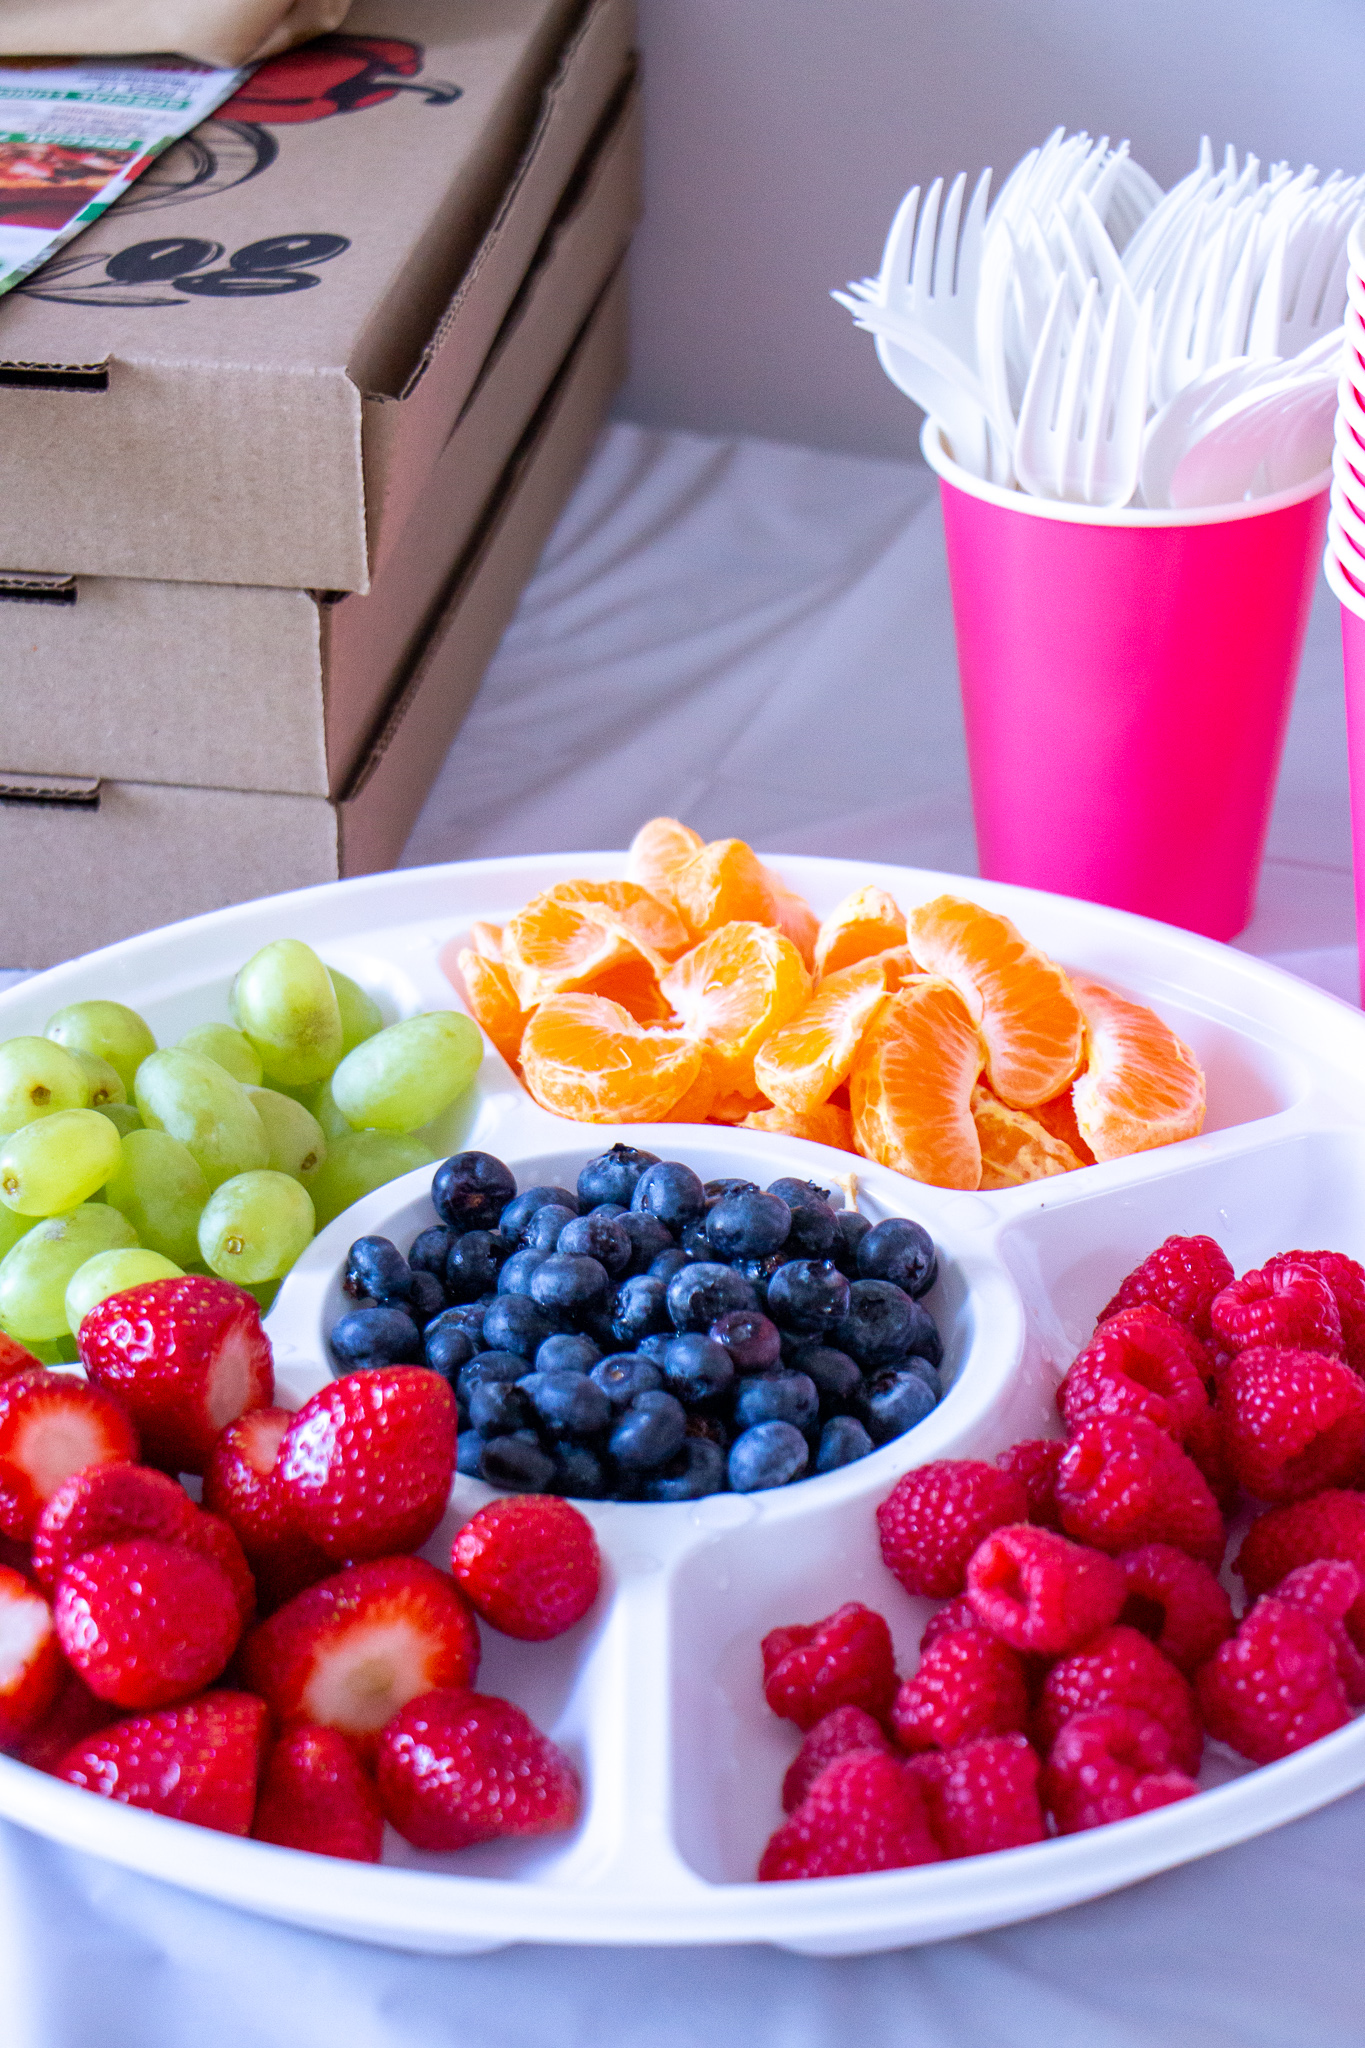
[[803, 1062], [493, 1003], [733, 989], [1059, 1118], [585, 1057], [736, 1108], [1014, 1145], [827, 1125], [912, 1082], [726, 883], [653, 926], [486, 939], [796, 918], [899, 964], [572, 935], [1142, 1086], [697, 1105], [869, 921], [634, 984], [657, 852], [1030, 1019]]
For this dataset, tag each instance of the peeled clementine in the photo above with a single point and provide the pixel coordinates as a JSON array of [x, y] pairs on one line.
[[724, 883], [1059, 1118], [585, 1057], [1030, 1020], [911, 1086], [657, 851], [1142, 1086], [493, 1003], [486, 939], [1015, 1147], [801, 1064], [571, 935], [733, 989], [825, 1125], [869, 921]]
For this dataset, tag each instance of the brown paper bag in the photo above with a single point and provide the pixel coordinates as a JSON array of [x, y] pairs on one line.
[[225, 32]]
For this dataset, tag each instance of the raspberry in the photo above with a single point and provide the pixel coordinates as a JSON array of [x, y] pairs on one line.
[[1123, 1482], [1036, 1591], [315, 1796], [1035, 1462], [528, 1565], [1275, 1687], [1121, 1668], [146, 1623], [946, 1620], [983, 1796], [933, 1519], [1206, 1445], [461, 1767], [367, 1461], [968, 1684], [1293, 1422], [1177, 1602], [1139, 1362], [846, 1660], [1346, 1278], [1331, 1524], [198, 1761], [1286, 1305], [845, 1729], [1181, 1277], [1328, 1591], [1110, 1766], [864, 1812]]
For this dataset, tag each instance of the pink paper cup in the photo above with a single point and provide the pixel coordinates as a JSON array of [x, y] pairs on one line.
[[1353, 658], [1126, 684]]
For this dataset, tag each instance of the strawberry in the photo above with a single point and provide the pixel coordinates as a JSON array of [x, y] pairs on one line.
[[145, 1623], [31, 1666], [186, 1357], [350, 1652], [103, 1505], [528, 1565], [242, 1484], [368, 1461], [198, 1761], [457, 1767], [14, 1358], [74, 1714], [51, 1425], [315, 1796]]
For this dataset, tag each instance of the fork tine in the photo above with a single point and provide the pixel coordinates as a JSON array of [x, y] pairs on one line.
[[900, 240], [922, 261], [1102, 404], [945, 252], [1073, 393], [1034, 432], [974, 227]]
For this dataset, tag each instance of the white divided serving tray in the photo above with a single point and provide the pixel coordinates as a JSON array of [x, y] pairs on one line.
[[657, 1693]]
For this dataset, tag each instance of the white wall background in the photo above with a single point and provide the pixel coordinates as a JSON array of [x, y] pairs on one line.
[[781, 134]]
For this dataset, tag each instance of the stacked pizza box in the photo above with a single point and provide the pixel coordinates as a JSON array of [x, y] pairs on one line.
[[281, 438]]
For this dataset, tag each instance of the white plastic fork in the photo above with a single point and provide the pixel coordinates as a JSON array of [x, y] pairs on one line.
[[1080, 423]]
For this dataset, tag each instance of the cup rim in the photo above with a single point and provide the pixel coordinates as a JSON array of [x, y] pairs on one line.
[[934, 450]]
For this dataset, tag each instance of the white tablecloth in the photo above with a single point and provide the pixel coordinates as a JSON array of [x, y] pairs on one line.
[[757, 639]]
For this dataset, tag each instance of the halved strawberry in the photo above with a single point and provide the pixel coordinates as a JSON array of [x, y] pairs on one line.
[[103, 1505], [198, 1761], [367, 1461], [51, 1425], [350, 1652], [315, 1796], [242, 1484], [14, 1358], [30, 1660], [186, 1356], [145, 1623]]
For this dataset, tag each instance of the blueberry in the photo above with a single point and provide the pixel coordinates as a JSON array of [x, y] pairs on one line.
[[893, 1402], [883, 1326], [698, 1469], [696, 1369], [769, 1454], [488, 1369], [714, 1189], [566, 1403], [468, 1316], [758, 1272], [640, 1309], [627, 1374], [426, 1298], [496, 1407], [713, 1427], [375, 1336], [653, 1348], [517, 1463], [598, 1237], [612, 1176], [567, 1354], [651, 1431], [469, 1454], [796, 1193], [671, 1192], [471, 1190], [578, 1473], [851, 1228], [753, 1342], [542, 1232], [834, 1373], [472, 1267], [648, 1238], [516, 1323], [808, 1296], [668, 1263], [814, 1228], [842, 1440], [515, 1219], [568, 1286], [698, 1293], [778, 1397], [515, 1275], [748, 1225], [375, 1267], [902, 1252], [605, 1209], [446, 1346], [930, 1374], [695, 1243], [430, 1249]]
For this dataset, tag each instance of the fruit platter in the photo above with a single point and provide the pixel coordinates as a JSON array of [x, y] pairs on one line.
[[753, 1608]]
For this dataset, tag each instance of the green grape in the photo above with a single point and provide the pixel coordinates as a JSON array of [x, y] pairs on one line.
[[38, 1078], [359, 1164], [297, 1146], [255, 1225], [111, 1031], [57, 1162], [361, 1015], [198, 1102], [321, 1103], [284, 1001], [161, 1189], [234, 1053], [35, 1274], [408, 1073], [12, 1227], [60, 1351], [109, 1273], [123, 1116], [105, 1082]]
